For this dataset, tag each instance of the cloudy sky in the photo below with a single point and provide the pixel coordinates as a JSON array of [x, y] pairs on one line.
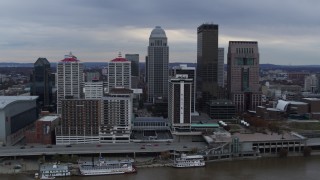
[[288, 31]]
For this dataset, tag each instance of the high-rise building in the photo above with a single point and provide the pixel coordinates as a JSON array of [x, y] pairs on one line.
[[119, 73], [207, 61], [191, 72], [221, 67], [116, 116], [243, 75], [158, 60], [134, 59], [80, 121], [42, 82], [179, 101], [70, 78]]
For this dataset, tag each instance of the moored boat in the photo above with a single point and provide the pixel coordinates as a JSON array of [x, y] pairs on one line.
[[189, 161], [47, 177], [104, 167]]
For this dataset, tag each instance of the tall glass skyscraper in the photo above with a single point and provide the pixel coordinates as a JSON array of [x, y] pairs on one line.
[[158, 60], [42, 82], [207, 61]]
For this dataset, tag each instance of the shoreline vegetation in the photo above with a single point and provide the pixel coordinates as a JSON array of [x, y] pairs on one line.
[[30, 167]]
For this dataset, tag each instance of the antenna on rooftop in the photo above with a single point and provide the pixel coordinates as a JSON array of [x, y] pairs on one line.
[[119, 55]]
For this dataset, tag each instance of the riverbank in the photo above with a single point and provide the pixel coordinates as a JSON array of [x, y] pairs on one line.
[[29, 167]]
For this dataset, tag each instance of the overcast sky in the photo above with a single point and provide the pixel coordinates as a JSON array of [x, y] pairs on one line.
[[288, 31]]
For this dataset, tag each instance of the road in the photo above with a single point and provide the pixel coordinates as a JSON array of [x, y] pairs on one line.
[[93, 148]]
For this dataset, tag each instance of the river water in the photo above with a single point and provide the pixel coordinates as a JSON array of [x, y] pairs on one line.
[[291, 168]]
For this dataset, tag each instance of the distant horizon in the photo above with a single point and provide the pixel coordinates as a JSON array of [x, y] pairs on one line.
[[169, 63]]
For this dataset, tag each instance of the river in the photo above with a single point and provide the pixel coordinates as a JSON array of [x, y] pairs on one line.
[[291, 168]]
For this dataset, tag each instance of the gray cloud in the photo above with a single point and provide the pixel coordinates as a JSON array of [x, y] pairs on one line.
[[95, 30]]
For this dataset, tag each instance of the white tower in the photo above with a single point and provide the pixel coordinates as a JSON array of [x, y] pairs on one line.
[[70, 78], [119, 73]]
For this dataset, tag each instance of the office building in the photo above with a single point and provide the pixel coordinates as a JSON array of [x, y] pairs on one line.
[[221, 109], [179, 102], [158, 60], [134, 59], [207, 61], [42, 82], [70, 79], [191, 72], [243, 75], [119, 73]]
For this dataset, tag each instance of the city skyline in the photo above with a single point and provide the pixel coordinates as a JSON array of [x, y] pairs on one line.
[[287, 31]]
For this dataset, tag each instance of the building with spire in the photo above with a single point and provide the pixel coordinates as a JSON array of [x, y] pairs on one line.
[[157, 66]]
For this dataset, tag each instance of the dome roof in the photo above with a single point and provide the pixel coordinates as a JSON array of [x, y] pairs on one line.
[[158, 32]]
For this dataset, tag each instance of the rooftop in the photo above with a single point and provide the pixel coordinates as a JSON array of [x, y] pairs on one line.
[[49, 118], [70, 58], [312, 99], [267, 137], [6, 100], [153, 119], [158, 32], [120, 91]]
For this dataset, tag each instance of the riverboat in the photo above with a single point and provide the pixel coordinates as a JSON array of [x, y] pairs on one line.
[[189, 161], [104, 167]]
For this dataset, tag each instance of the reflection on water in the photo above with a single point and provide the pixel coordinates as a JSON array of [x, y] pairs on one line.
[[293, 168]]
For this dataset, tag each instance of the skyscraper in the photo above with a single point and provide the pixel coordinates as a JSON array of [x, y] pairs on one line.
[[70, 78], [183, 69], [42, 82], [243, 75], [207, 61], [158, 60], [179, 105], [134, 59], [119, 73]]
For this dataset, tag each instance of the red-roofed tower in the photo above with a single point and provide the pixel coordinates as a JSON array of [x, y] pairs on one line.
[[70, 78], [119, 73]]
